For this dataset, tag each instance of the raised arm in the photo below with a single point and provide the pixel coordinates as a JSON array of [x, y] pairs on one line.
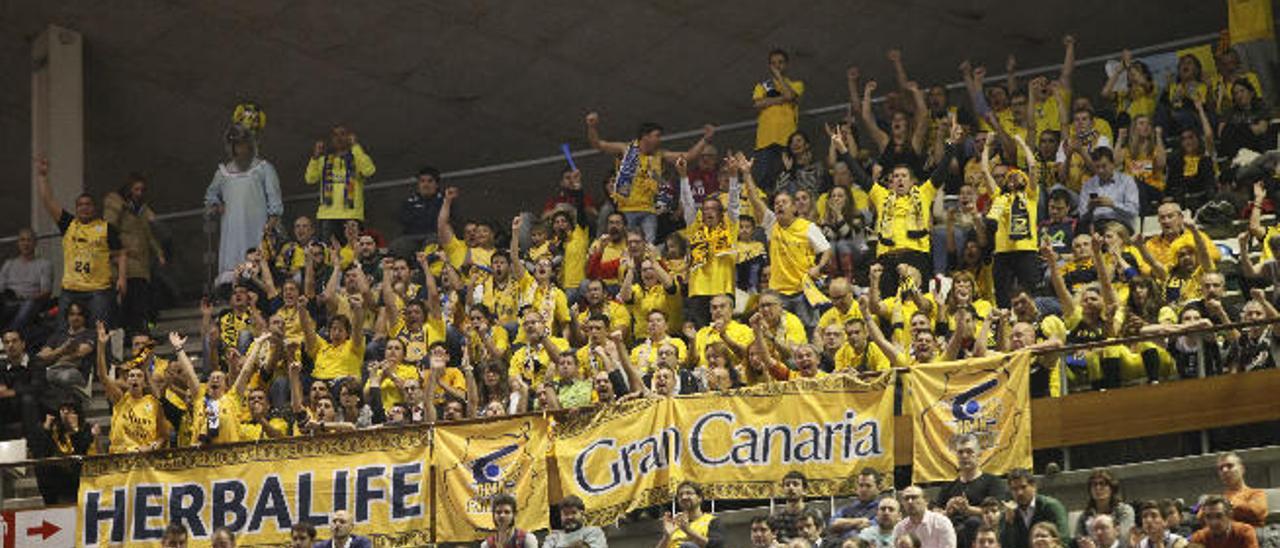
[[635, 383], [868, 119], [921, 130], [178, 342], [1255, 213], [444, 230], [593, 137], [1108, 89], [874, 305], [42, 188], [309, 337], [1202, 248], [1068, 61], [694, 151], [899, 72], [517, 265], [985, 163], [1104, 273], [1065, 300], [688, 209], [877, 337], [112, 387]]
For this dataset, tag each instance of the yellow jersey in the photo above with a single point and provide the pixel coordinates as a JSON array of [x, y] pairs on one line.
[[833, 316], [341, 178], [135, 423], [791, 255], [1249, 20], [870, 358], [776, 123], [712, 257], [1015, 215], [644, 187], [904, 222], [86, 253]]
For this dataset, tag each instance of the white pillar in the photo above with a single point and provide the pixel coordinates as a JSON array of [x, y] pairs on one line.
[[57, 126]]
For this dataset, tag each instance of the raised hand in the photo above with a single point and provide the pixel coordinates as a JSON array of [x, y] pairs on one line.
[[592, 119], [1069, 41], [42, 166], [708, 131], [894, 55], [103, 336], [1010, 63], [451, 193], [317, 150], [980, 73], [177, 341], [516, 223], [876, 271], [853, 73], [870, 88], [682, 166]]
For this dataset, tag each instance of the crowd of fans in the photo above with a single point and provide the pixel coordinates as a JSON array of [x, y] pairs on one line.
[[931, 229]]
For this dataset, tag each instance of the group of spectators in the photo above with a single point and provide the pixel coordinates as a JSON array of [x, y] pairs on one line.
[[930, 230]]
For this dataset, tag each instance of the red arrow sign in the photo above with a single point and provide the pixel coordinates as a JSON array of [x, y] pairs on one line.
[[45, 530]]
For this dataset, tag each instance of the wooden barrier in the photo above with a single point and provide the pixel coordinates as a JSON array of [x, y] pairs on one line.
[[1126, 413]]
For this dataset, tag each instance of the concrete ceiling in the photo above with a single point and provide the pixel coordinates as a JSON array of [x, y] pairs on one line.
[[462, 83]]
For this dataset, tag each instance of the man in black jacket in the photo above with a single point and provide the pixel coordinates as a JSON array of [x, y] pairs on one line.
[[419, 213]]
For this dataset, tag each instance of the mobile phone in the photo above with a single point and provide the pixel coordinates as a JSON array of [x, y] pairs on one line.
[[1093, 195]]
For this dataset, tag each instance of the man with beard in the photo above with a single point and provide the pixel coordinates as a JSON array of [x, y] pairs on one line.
[[784, 521], [691, 525], [573, 533], [860, 513], [604, 261]]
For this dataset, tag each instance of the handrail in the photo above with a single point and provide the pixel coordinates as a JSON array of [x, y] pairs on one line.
[[77, 459], [732, 126]]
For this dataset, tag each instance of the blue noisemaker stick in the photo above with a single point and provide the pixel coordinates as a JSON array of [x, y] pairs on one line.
[[564, 147]]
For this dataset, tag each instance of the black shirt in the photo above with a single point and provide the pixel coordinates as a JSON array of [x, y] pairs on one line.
[[983, 486]]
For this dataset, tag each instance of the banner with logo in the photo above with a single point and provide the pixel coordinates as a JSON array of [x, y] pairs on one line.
[[984, 397], [380, 478], [476, 461], [736, 444]]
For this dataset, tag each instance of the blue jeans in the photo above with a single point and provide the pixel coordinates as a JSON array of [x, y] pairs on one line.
[[798, 305], [20, 312], [100, 305], [648, 223]]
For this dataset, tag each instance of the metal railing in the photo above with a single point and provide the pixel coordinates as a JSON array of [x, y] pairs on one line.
[[676, 136]]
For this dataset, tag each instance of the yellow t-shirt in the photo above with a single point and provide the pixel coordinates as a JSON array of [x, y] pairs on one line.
[[1047, 116], [504, 301], [1249, 20], [1143, 171], [391, 394], [713, 257], [86, 255], [457, 251], [230, 413], [1165, 252], [861, 202], [645, 354], [900, 313], [1272, 232], [776, 123], [135, 423], [833, 316], [344, 360], [870, 359], [644, 188], [699, 526], [904, 221], [1137, 103], [551, 302], [738, 333], [574, 268], [619, 317], [341, 179], [790, 256], [1015, 215], [789, 329], [418, 341], [252, 431], [453, 378], [533, 366], [644, 301]]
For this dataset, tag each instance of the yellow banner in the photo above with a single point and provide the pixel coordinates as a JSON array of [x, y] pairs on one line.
[[737, 444], [986, 397], [379, 477], [476, 461]]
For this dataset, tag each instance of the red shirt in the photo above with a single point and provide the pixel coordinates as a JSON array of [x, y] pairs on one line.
[[1241, 535]]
